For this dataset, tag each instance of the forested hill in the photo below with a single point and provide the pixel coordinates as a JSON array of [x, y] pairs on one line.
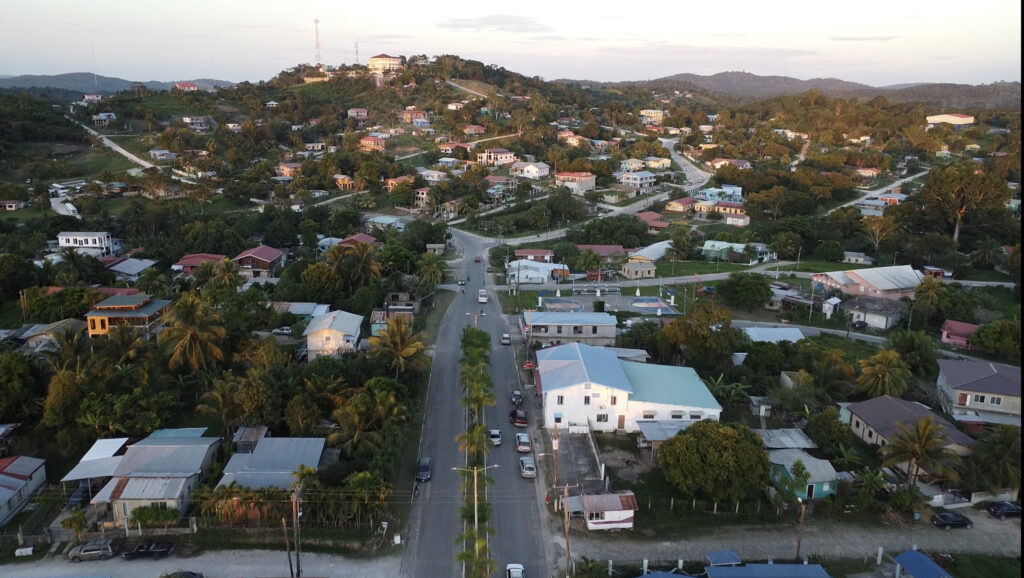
[[87, 82], [746, 86]]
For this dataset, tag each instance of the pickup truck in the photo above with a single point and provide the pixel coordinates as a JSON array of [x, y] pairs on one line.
[[148, 548]]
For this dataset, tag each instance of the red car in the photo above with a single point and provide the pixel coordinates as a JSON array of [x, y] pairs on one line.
[[517, 417], [528, 365]]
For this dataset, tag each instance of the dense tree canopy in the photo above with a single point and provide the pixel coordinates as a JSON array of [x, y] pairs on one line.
[[714, 461]]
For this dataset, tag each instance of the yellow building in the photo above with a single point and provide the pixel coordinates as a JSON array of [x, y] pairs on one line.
[[139, 311]]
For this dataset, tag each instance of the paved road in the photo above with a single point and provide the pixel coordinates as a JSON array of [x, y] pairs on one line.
[[116, 147], [515, 502], [871, 192]]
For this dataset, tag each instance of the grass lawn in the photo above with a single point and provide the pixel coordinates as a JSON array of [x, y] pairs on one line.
[[1000, 300], [711, 230], [973, 566], [10, 315], [811, 266], [854, 349], [688, 268], [986, 275], [92, 163]]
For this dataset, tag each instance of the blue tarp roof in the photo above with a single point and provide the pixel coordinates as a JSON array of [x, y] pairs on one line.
[[918, 565]]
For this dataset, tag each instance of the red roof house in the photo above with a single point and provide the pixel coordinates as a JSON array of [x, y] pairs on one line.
[[957, 333], [260, 261]]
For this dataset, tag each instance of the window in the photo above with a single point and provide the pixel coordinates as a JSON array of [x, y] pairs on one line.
[[586, 400], [648, 415], [677, 415], [856, 423], [995, 400], [613, 400], [559, 330], [560, 400], [158, 505], [871, 434], [595, 516], [602, 418], [824, 487], [696, 416], [558, 418], [577, 330], [979, 399]]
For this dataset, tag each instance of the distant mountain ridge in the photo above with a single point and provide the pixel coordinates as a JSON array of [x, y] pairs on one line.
[[87, 82], [747, 86]]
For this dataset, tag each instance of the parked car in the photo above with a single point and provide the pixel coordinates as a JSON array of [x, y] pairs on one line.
[[1003, 510], [517, 417], [506, 339], [282, 331], [490, 269], [98, 549], [947, 520], [495, 436], [515, 571], [859, 325], [523, 443], [527, 467], [476, 259], [150, 549], [423, 469], [517, 397]]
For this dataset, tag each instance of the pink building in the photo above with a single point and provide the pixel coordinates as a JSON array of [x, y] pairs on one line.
[[957, 333]]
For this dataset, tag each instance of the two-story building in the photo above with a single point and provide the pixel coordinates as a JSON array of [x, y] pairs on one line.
[[358, 113], [631, 165], [372, 144], [188, 264], [640, 181], [529, 170], [558, 327], [97, 244], [383, 63], [979, 392], [260, 262], [577, 182], [542, 255], [496, 157], [586, 386], [140, 311]]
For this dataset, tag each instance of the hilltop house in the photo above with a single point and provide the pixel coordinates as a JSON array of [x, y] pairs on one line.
[[591, 388], [529, 170], [97, 244], [577, 182]]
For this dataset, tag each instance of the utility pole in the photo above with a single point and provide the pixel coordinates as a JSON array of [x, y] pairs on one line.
[[476, 505], [284, 527], [800, 531], [565, 523], [296, 513]]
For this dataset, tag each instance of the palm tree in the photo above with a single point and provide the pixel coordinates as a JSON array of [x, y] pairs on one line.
[[193, 335], [127, 345], [997, 458], [220, 401], [360, 265], [475, 443], [921, 446], [397, 343], [988, 254], [917, 350], [871, 480], [73, 268], [477, 396], [884, 374], [588, 261], [226, 279], [431, 272]]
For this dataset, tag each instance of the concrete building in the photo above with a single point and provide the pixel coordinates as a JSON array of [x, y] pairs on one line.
[[558, 327], [979, 392]]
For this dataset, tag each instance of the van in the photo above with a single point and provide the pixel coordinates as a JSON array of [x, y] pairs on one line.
[[481, 297]]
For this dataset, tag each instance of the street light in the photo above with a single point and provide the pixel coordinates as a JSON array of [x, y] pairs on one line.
[[800, 531], [476, 511], [476, 316]]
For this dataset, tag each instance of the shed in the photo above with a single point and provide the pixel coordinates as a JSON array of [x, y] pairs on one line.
[[609, 511], [917, 565]]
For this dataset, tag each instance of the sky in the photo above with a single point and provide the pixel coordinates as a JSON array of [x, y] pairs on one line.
[[874, 42]]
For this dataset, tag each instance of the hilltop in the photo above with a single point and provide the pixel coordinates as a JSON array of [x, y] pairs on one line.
[[87, 82]]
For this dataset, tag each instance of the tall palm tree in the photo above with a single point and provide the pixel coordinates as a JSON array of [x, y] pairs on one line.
[[475, 443], [360, 265], [921, 446], [431, 272], [193, 334], [477, 396], [127, 344], [227, 278], [996, 460], [884, 374], [74, 267], [399, 345], [220, 401]]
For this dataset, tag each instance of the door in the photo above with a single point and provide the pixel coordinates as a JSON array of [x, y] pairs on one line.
[[810, 492], [622, 422]]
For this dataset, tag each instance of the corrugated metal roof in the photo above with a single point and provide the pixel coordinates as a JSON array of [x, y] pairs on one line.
[[180, 432], [773, 334], [768, 571], [777, 439], [609, 502], [659, 430], [668, 385], [652, 252], [575, 363], [562, 318], [165, 457], [920, 566], [96, 468], [152, 488], [273, 462], [819, 470], [889, 278], [341, 321], [20, 466]]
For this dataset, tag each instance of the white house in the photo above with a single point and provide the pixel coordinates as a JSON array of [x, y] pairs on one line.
[[20, 478], [529, 170], [577, 182], [631, 165], [560, 327], [97, 244], [587, 386], [332, 334], [639, 181], [527, 271], [608, 511]]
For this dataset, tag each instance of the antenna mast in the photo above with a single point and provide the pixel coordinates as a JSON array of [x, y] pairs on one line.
[[357, 53], [316, 28]]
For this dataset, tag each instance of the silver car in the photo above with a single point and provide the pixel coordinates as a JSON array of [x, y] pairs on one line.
[[527, 467], [495, 436]]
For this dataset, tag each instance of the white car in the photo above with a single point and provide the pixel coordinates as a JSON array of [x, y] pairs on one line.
[[527, 467], [495, 436], [515, 571], [506, 339], [282, 331], [523, 443]]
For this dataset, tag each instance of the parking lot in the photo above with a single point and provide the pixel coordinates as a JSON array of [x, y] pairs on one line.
[[577, 465]]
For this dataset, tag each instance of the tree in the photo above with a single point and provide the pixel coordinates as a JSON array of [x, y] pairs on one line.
[[220, 401], [825, 429], [704, 335], [786, 244], [952, 192], [917, 350], [1000, 338], [878, 229], [588, 260], [747, 290], [475, 443], [398, 345], [76, 522], [996, 459], [922, 445], [431, 272], [193, 334], [884, 374], [719, 462]]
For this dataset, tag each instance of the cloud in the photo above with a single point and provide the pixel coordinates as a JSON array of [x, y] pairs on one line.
[[498, 23], [863, 38]]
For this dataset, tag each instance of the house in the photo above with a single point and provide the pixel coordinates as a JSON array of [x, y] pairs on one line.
[[822, 479], [358, 113], [683, 205], [741, 220], [407, 116], [270, 104], [382, 222], [6, 436], [769, 570], [45, 337], [877, 421], [639, 181], [653, 221], [449, 148], [577, 182], [868, 173], [876, 312], [894, 282], [372, 143], [305, 309], [129, 270], [658, 163], [473, 129], [718, 163], [260, 262], [97, 244], [914, 564], [332, 334], [272, 462], [496, 157], [957, 333], [956, 120], [979, 392], [92, 97], [638, 270], [423, 193], [162, 155], [558, 328], [289, 169], [542, 255], [857, 258], [188, 264], [631, 165], [774, 335], [421, 123], [390, 184], [587, 386], [20, 478], [103, 119], [892, 198], [448, 162], [652, 116], [186, 86], [383, 63], [315, 146], [9, 206], [344, 182], [158, 471], [527, 271], [651, 253], [607, 253], [731, 193], [455, 105], [140, 311], [612, 511]]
